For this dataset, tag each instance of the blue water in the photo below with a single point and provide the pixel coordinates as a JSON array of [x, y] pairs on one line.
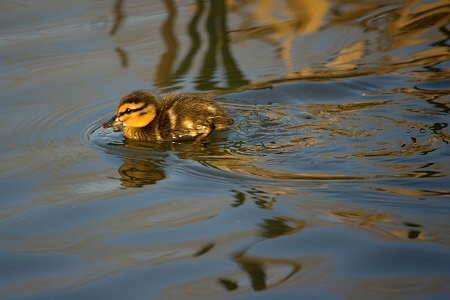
[[332, 183]]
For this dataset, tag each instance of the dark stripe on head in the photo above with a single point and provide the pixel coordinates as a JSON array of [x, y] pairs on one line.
[[131, 110]]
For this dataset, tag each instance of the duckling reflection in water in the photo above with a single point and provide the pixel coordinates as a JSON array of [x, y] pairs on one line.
[[173, 117]]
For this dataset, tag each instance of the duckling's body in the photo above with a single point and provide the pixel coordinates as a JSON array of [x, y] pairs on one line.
[[171, 118]]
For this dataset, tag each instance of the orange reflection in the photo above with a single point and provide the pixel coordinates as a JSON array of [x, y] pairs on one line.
[[313, 39], [281, 22], [383, 223]]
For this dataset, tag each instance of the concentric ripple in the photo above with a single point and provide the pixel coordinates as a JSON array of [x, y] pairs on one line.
[[288, 141]]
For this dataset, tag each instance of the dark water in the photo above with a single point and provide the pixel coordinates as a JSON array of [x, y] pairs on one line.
[[333, 183]]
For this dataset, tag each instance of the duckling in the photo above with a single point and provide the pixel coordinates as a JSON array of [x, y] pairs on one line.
[[173, 117]]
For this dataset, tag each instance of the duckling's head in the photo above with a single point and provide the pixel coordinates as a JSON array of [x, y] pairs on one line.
[[136, 109]]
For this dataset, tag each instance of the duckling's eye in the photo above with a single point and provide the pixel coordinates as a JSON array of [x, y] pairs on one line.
[[128, 110]]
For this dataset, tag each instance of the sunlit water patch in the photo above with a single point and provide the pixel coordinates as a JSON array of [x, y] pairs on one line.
[[284, 137]]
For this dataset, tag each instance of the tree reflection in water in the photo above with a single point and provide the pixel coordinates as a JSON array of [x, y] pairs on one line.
[[167, 73], [257, 267], [216, 27], [285, 26]]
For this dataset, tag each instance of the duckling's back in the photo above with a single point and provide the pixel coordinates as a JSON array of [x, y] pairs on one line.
[[187, 116]]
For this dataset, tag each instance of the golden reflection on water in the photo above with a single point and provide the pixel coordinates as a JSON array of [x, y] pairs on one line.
[[383, 223], [139, 174], [347, 123], [280, 24], [385, 44]]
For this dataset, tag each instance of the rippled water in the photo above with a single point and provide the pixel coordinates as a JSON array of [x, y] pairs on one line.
[[332, 183]]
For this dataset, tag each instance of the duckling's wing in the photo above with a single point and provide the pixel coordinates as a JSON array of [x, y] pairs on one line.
[[198, 130]]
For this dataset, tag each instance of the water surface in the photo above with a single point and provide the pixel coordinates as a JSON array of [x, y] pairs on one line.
[[332, 183]]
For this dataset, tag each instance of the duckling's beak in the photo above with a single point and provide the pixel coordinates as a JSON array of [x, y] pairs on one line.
[[113, 122]]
